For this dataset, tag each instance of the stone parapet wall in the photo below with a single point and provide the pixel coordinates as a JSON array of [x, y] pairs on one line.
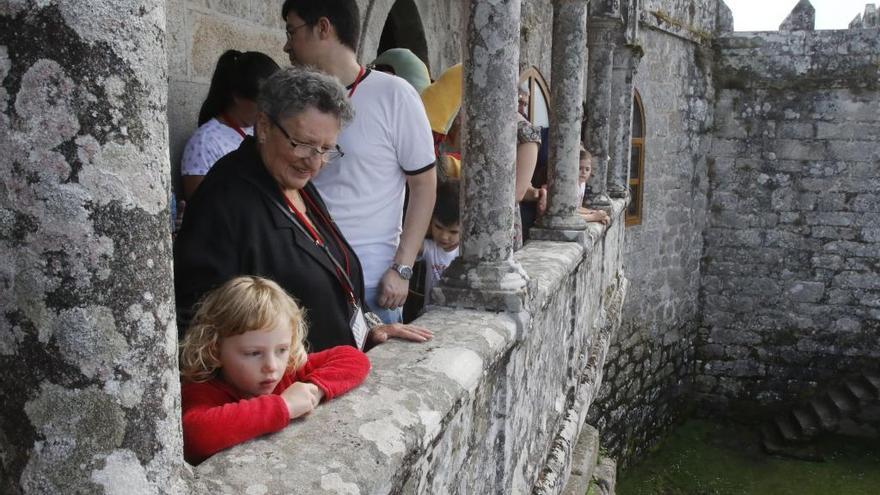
[[494, 404], [791, 285]]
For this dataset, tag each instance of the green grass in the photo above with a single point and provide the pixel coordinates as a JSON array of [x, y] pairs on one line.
[[703, 458]]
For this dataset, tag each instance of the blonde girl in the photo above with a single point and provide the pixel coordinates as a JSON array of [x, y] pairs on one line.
[[245, 370]]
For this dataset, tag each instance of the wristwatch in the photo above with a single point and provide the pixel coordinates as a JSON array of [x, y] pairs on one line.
[[405, 271]]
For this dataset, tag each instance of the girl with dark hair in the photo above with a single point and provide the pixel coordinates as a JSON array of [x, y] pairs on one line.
[[227, 114]]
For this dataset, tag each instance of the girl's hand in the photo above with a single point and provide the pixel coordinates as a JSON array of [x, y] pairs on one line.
[[301, 398]]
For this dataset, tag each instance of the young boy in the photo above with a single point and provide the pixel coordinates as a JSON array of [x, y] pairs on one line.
[[439, 251]]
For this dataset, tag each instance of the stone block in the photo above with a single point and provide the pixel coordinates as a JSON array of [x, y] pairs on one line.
[[805, 291], [843, 233], [212, 35], [848, 130], [796, 130], [796, 149], [856, 280], [866, 202], [871, 235]]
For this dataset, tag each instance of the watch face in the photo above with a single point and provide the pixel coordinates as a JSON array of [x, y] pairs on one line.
[[404, 271]]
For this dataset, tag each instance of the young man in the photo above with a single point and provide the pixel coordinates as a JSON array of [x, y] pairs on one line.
[[387, 147]]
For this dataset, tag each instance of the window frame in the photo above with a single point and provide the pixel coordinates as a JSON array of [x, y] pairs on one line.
[[536, 81], [637, 142]]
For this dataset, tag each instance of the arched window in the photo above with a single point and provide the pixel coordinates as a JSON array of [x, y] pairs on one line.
[[403, 29], [637, 163], [539, 97]]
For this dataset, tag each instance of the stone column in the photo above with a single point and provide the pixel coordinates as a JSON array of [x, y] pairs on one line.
[[485, 275], [625, 63], [561, 221], [88, 348], [601, 40]]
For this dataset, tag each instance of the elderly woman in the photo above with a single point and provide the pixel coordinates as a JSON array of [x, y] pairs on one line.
[[258, 214]]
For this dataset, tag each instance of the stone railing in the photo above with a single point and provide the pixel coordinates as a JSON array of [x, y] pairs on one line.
[[494, 404]]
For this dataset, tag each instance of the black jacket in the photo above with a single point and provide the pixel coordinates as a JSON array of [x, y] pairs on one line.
[[232, 228]]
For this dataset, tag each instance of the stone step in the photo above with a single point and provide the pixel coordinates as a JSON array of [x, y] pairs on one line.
[[860, 391], [873, 383], [825, 410], [843, 401], [604, 478], [789, 431], [773, 443], [807, 421], [585, 457]]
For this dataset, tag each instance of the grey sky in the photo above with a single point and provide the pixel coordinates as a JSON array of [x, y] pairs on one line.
[[767, 15]]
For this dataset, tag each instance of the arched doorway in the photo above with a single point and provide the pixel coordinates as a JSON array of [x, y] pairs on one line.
[[403, 29]]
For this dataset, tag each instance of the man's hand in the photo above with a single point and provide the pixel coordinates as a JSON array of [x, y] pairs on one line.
[[301, 398], [412, 333], [393, 290]]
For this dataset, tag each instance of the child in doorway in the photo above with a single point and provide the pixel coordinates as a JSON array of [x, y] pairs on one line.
[[245, 370], [439, 251]]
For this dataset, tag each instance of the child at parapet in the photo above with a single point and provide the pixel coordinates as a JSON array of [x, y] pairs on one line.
[[245, 370], [439, 251], [585, 171]]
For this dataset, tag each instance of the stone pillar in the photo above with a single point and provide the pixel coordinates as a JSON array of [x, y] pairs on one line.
[[625, 62], [602, 38], [88, 348], [561, 221], [485, 275]]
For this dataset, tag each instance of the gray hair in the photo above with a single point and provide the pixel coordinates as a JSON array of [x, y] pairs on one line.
[[292, 90]]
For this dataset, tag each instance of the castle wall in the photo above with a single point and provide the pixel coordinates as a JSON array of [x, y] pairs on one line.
[[791, 282], [650, 364]]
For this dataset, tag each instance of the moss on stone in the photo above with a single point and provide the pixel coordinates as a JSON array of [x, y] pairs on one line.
[[711, 458]]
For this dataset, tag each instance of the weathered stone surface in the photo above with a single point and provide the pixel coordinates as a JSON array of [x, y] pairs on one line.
[[569, 62], [485, 275], [87, 340], [604, 34], [801, 18], [790, 264], [651, 361]]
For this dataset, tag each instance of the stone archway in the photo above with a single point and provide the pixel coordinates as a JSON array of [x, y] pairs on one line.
[[393, 24]]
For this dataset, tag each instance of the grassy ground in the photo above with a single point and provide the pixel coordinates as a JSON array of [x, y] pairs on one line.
[[702, 458]]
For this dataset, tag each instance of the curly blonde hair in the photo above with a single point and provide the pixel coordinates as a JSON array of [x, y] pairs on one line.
[[238, 306]]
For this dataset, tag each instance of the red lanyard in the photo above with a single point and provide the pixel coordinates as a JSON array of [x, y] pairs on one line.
[[357, 80], [343, 278], [230, 123]]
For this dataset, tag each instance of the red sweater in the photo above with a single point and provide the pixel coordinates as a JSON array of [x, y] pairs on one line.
[[215, 417]]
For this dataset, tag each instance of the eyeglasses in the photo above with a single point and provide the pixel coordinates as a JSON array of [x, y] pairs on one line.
[[290, 31], [303, 150]]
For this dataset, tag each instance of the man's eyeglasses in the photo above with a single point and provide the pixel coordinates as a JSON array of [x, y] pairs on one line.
[[290, 31], [303, 150]]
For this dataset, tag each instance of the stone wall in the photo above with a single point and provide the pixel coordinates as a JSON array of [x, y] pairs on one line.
[[494, 404], [651, 360], [791, 282]]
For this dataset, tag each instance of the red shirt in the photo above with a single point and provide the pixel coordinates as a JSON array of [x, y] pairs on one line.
[[216, 417]]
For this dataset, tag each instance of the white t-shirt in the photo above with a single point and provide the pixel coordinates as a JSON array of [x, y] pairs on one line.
[[436, 262], [364, 190], [212, 141]]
